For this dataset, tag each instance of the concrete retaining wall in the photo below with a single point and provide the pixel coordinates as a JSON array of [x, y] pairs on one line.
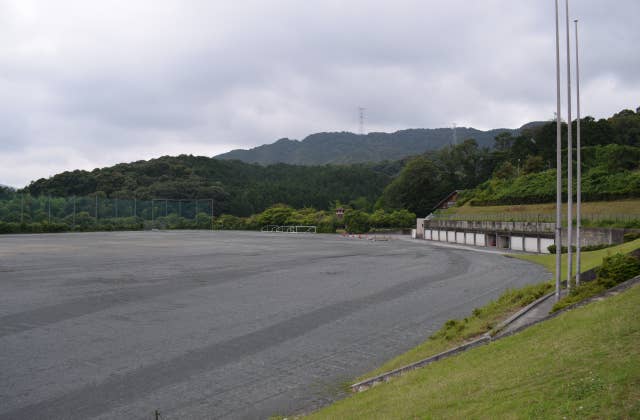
[[535, 244], [597, 236], [518, 236]]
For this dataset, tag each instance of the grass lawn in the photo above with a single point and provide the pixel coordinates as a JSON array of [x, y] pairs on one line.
[[588, 260], [582, 364]]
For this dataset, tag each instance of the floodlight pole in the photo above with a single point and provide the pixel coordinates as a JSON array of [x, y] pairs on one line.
[[558, 239], [578, 163], [569, 159]]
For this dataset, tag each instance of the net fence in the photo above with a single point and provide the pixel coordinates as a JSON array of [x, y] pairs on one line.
[[23, 212]]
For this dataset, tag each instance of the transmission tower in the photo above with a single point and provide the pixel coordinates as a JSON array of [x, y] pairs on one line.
[[455, 135], [361, 115]]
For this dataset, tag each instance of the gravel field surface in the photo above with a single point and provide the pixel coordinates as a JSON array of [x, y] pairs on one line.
[[200, 324]]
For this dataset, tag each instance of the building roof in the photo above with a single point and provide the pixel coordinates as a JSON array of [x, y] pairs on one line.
[[444, 200]]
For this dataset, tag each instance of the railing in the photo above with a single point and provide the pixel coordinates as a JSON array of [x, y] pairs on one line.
[[587, 218]]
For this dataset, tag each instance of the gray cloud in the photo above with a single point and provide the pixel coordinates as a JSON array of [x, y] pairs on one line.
[[88, 84]]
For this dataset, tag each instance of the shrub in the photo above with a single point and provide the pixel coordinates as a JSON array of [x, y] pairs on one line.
[[631, 236], [614, 270], [356, 221], [578, 294], [618, 268], [587, 248]]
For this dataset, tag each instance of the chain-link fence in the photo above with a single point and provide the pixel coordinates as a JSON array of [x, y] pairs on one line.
[[25, 213]]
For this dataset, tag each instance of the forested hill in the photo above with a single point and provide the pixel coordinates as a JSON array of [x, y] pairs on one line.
[[323, 148], [238, 188]]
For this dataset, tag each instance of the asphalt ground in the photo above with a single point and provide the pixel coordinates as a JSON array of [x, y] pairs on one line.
[[199, 324]]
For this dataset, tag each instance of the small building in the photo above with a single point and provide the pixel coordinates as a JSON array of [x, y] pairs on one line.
[[340, 212], [448, 201]]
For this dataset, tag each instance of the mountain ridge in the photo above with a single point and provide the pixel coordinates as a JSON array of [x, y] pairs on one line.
[[346, 147]]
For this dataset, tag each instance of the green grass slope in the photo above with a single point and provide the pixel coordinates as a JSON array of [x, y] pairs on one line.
[[588, 260], [582, 364]]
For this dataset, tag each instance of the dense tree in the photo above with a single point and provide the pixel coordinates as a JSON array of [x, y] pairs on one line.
[[356, 221], [533, 164], [237, 188], [505, 171], [419, 186]]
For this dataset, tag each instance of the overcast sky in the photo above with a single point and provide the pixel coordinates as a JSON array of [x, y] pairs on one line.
[[87, 84]]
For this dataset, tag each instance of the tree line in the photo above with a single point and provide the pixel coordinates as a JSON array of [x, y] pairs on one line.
[[26, 214], [518, 169]]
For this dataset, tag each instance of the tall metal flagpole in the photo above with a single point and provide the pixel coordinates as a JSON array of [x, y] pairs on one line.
[[578, 163], [558, 240], [569, 160]]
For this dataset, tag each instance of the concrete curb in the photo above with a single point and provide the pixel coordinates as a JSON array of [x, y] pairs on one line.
[[504, 324], [485, 339], [492, 335], [609, 292], [384, 377]]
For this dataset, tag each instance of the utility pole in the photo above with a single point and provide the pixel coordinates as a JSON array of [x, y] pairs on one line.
[[361, 115], [558, 239], [569, 159], [578, 163]]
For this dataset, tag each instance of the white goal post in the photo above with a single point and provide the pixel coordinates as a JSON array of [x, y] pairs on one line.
[[289, 229]]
